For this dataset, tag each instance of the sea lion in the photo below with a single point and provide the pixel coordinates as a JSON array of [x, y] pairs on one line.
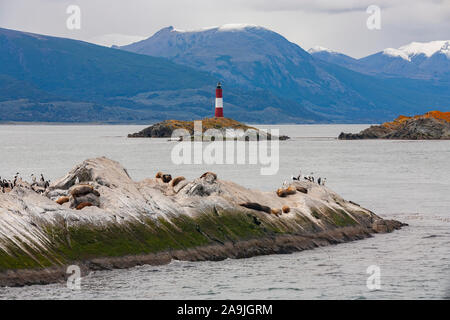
[[285, 209], [177, 180], [301, 189], [275, 211], [282, 192], [291, 190], [83, 205], [62, 200], [255, 206], [81, 190], [158, 175], [166, 178], [211, 176]]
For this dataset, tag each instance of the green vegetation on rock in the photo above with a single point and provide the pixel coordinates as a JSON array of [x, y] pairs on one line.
[[85, 242]]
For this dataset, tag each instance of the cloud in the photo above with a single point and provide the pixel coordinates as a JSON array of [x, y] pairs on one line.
[[318, 6]]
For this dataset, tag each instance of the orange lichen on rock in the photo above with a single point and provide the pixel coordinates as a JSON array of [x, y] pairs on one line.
[[439, 115]]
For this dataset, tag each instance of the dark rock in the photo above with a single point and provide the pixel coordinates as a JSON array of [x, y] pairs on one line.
[[87, 198], [166, 129], [159, 130], [385, 226], [412, 129]]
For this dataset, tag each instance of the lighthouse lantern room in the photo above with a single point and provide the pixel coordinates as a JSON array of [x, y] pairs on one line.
[[219, 102]]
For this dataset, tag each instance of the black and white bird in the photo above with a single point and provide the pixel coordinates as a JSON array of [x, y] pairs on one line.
[[296, 178]]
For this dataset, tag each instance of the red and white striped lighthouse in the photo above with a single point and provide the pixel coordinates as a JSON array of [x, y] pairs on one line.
[[219, 102]]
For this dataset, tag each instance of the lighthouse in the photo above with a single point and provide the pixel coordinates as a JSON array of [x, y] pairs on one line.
[[219, 102]]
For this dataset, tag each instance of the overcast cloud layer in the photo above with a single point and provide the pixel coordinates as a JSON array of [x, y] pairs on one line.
[[338, 25]]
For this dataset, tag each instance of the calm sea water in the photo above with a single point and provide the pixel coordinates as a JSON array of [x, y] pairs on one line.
[[405, 180]]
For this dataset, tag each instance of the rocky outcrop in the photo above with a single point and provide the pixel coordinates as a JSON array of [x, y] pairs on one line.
[[167, 128], [433, 125], [130, 223]]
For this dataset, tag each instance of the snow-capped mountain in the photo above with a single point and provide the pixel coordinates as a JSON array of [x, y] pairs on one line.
[[227, 50], [417, 49], [417, 60]]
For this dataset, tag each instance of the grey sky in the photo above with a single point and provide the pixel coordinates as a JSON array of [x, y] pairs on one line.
[[338, 25]]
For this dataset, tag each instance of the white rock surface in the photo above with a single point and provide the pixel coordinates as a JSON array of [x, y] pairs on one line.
[[23, 212]]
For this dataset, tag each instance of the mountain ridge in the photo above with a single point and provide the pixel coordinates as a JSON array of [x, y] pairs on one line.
[[256, 57], [69, 80], [267, 80], [416, 60]]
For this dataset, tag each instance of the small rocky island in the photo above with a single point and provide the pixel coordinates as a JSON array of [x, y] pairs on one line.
[[166, 128], [98, 218], [433, 125]]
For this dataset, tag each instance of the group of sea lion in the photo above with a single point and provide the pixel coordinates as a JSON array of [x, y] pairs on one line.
[[167, 178], [85, 195], [284, 192], [211, 177], [81, 196]]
